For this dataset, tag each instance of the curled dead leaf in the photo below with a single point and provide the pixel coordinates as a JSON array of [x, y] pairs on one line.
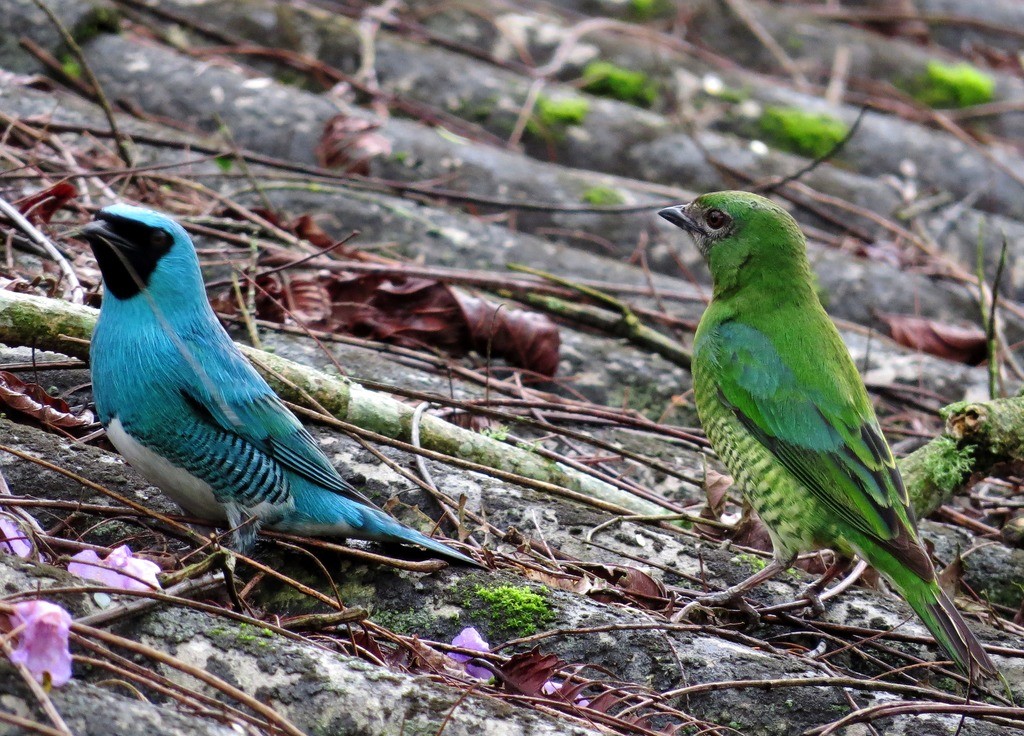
[[31, 399], [525, 673], [41, 206], [627, 582], [962, 344], [716, 486], [526, 339], [411, 312], [350, 143]]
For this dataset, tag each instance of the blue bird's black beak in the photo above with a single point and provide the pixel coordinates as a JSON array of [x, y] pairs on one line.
[[127, 251], [679, 217], [98, 235], [106, 232]]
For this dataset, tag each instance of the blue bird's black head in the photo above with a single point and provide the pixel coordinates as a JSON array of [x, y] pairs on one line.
[[132, 243]]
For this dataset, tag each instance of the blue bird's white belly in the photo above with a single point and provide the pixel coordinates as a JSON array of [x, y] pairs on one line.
[[191, 493]]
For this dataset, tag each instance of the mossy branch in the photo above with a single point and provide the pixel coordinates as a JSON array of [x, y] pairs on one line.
[[626, 324], [50, 324], [978, 436]]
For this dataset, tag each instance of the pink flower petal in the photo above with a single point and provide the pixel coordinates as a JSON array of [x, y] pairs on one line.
[[42, 640], [13, 539], [551, 687], [120, 569], [469, 638]]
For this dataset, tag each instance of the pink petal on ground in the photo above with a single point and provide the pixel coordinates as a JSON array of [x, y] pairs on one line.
[[469, 638], [120, 569], [13, 539], [42, 640]]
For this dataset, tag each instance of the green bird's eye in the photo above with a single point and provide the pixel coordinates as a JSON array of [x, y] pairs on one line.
[[716, 219], [159, 238]]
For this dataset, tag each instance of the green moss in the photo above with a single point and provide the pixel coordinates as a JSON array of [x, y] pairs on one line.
[[400, 157], [949, 464], [499, 432], [70, 66], [101, 19], [510, 608], [248, 634], [793, 44], [553, 115], [807, 133], [225, 162], [952, 85], [411, 621], [756, 563], [562, 111], [602, 196], [479, 110], [608, 80], [649, 9], [730, 94]]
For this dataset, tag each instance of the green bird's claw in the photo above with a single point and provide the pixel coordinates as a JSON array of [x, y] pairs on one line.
[[811, 594], [703, 607]]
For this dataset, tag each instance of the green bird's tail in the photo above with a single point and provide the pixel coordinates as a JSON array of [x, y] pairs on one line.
[[945, 623]]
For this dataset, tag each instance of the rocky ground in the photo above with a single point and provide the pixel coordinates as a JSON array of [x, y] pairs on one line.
[[470, 146]]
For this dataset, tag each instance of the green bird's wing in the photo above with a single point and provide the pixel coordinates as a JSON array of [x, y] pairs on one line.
[[232, 396], [821, 428]]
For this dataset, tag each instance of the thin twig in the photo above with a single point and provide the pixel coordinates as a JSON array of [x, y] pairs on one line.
[[76, 292], [101, 98]]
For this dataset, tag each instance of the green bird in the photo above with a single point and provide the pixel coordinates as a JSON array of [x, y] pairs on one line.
[[785, 409]]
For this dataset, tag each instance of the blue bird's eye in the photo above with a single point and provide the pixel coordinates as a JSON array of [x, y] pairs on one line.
[[159, 238]]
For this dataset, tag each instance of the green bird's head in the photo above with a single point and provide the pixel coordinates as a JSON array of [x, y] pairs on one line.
[[743, 238]]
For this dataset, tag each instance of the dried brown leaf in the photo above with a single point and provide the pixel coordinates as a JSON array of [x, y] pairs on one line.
[[429, 659], [950, 576], [32, 399], [472, 421], [41, 206], [308, 301], [574, 584], [963, 344], [411, 312], [419, 312], [350, 144], [751, 532], [305, 227], [526, 673], [716, 486], [629, 582], [526, 339]]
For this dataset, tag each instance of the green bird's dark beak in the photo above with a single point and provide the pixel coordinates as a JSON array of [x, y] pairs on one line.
[[678, 216]]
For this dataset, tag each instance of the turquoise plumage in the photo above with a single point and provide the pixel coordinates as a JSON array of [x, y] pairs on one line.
[[184, 406]]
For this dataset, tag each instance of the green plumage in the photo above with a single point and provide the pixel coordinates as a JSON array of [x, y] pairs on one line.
[[784, 407]]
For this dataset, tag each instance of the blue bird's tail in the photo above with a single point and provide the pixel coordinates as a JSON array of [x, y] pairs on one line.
[[319, 511]]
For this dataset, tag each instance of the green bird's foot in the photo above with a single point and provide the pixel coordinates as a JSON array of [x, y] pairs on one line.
[[702, 608], [812, 593], [733, 595]]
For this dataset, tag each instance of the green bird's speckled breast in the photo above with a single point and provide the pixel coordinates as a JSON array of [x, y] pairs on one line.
[[796, 520]]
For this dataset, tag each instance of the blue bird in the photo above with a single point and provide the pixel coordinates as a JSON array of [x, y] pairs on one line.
[[182, 404]]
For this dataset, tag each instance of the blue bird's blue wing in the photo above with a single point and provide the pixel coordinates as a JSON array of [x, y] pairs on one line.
[[236, 399]]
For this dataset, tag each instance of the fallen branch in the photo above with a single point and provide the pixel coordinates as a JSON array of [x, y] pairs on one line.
[[50, 324]]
